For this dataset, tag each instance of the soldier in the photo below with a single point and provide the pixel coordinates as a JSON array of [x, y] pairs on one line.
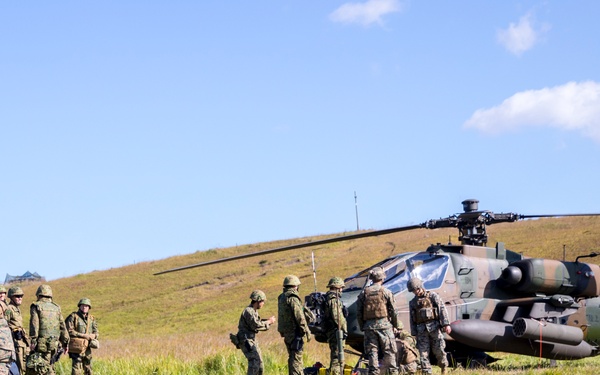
[[291, 324], [249, 325], [428, 319], [377, 317], [15, 322], [47, 331], [7, 348], [82, 328], [335, 324], [407, 354], [3, 304]]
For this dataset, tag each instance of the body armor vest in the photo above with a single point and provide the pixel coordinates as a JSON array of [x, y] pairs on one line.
[[426, 311], [375, 306], [49, 319]]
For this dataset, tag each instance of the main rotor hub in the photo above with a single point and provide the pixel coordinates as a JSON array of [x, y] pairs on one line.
[[470, 205]]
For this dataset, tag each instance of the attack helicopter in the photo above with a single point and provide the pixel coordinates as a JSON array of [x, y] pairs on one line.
[[498, 300]]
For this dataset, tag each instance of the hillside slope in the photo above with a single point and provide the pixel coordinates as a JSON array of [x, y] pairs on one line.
[[131, 302]]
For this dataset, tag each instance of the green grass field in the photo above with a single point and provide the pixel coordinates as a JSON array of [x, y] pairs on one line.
[[178, 323]]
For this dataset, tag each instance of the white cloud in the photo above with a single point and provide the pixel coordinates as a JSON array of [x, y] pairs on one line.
[[365, 13], [522, 36], [572, 107]]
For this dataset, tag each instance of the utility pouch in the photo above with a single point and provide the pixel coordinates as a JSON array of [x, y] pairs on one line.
[[78, 345], [297, 344], [234, 340]]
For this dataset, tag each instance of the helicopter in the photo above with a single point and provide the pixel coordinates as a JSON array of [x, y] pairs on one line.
[[498, 300]]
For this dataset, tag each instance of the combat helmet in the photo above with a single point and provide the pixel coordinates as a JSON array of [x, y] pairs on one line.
[[2, 289], [336, 282], [85, 301], [377, 274], [414, 284], [291, 280], [15, 291], [44, 290], [258, 295]]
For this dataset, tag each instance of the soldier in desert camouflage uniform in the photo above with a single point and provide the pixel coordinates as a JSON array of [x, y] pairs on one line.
[[7, 348], [291, 324], [47, 331], [377, 317], [335, 320], [15, 322], [250, 324], [428, 319], [82, 325], [3, 303]]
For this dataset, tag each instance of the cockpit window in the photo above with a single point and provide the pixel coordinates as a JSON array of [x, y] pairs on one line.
[[430, 269], [392, 267]]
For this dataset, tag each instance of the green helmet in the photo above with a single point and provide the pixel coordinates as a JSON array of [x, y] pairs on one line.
[[2, 289], [291, 280], [44, 291], [85, 301], [15, 291], [258, 295], [336, 282], [377, 274], [414, 284]]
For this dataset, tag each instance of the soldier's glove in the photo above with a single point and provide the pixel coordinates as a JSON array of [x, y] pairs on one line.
[[18, 335]]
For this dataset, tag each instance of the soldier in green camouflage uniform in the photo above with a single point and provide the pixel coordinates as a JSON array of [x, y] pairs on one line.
[[335, 321], [407, 355], [47, 331], [291, 324], [82, 324], [15, 322], [378, 319], [7, 348], [428, 319], [250, 324]]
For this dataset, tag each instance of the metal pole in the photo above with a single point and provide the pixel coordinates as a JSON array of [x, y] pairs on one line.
[[356, 209]]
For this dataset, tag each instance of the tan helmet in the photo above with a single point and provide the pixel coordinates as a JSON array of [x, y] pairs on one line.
[[291, 280], [414, 284], [377, 274], [15, 291], [258, 295], [2, 289], [336, 282], [85, 301], [44, 290]]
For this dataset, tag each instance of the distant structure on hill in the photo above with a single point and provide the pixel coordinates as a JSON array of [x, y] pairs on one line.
[[26, 277]]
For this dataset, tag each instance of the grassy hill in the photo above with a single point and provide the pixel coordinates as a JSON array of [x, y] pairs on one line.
[[188, 314]]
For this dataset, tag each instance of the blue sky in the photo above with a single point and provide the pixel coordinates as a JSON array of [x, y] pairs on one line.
[[137, 130]]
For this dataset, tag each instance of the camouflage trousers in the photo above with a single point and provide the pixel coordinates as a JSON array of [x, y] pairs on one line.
[[334, 364], [430, 337], [42, 365], [295, 366], [381, 343], [4, 368], [81, 364], [253, 355]]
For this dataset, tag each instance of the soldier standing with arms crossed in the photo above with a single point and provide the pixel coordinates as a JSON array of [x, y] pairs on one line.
[[82, 327], [377, 317], [250, 324], [428, 319], [15, 322], [291, 323], [47, 331], [335, 321]]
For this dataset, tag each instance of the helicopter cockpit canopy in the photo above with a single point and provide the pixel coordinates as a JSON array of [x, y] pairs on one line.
[[430, 268]]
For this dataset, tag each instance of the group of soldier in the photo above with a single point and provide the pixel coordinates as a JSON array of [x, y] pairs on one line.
[[387, 347], [49, 334]]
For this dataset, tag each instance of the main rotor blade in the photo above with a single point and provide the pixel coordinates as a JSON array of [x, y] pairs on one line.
[[297, 246], [560, 215]]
